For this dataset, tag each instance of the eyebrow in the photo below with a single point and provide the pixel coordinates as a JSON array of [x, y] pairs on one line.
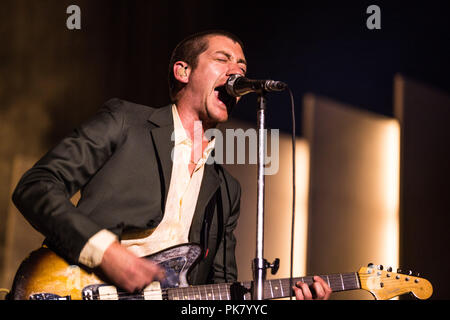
[[226, 54]]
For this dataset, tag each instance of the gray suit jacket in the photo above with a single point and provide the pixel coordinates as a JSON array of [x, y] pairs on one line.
[[120, 159]]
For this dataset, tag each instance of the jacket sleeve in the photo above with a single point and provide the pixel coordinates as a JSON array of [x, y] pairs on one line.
[[224, 265], [43, 193]]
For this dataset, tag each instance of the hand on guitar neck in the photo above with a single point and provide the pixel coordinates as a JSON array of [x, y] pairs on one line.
[[128, 271], [319, 290]]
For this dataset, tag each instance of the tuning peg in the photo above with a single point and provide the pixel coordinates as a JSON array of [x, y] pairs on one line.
[[417, 274], [409, 273], [370, 265], [399, 270], [389, 269], [380, 267]]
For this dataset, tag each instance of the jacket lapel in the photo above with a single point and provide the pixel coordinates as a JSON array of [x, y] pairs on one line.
[[164, 144], [162, 139], [210, 183]]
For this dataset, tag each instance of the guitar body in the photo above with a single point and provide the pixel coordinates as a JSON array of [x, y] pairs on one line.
[[44, 275]]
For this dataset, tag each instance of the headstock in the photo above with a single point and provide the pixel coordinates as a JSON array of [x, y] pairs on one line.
[[385, 284]]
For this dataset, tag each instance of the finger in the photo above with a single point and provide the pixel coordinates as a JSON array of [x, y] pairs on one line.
[[305, 290], [325, 286], [298, 293], [319, 292]]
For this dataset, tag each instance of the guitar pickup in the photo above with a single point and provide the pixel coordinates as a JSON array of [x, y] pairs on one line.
[[48, 296]]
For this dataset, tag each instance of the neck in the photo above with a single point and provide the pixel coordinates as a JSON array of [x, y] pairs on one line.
[[192, 123]]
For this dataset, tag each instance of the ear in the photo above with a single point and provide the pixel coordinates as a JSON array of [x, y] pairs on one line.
[[181, 71]]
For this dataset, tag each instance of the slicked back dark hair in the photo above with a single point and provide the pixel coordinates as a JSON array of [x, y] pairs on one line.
[[188, 51]]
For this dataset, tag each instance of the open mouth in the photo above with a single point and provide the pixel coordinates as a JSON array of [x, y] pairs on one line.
[[223, 96]]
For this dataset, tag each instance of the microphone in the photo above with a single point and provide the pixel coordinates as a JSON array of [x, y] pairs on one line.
[[237, 85]]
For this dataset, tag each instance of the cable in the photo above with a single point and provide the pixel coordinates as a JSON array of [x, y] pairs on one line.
[[293, 190]]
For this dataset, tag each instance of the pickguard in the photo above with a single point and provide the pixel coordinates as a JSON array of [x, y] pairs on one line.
[[176, 262]]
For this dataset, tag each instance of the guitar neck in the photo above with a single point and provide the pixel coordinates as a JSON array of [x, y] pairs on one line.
[[280, 288], [273, 289]]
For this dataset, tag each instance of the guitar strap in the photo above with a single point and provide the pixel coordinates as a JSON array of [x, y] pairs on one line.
[[215, 202]]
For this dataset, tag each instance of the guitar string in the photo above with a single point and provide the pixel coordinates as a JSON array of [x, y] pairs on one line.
[[212, 290], [185, 291], [215, 290], [165, 292]]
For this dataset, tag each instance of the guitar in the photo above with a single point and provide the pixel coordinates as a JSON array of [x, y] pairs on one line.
[[46, 276]]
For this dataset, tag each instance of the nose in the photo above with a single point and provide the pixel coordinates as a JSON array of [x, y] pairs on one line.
[[234, 68]]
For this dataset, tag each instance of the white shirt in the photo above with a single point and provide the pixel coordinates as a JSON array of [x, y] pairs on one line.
[[180, 205]]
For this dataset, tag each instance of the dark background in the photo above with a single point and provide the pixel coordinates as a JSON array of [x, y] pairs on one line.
[[52, 78], [123, 47]]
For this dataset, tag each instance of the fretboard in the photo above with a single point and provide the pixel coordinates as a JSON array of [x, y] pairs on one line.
[[273, 289]]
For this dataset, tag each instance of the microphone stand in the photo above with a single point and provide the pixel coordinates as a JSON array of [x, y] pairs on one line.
[[260, 264]]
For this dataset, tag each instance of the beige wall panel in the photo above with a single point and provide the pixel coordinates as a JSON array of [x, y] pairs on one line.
[[353, 203]]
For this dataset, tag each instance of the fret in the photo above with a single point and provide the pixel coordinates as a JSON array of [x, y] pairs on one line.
[[335, 282], [277, 288], [206, 293], [203, 292], [226, 287], [357, 280], [342, 281], [271, 289], [172, 295], [198, 296], [274, 287], [281, 286]]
